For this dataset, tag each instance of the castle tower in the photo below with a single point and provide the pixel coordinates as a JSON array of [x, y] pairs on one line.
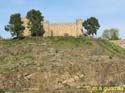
[[46, 27], [79, 27], [25, 24]]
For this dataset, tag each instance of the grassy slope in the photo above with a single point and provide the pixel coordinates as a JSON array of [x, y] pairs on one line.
[[62, 58]]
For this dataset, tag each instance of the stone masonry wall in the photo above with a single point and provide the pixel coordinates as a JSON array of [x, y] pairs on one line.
[[58, 29]]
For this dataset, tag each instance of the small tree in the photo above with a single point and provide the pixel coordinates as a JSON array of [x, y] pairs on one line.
[[15, 26], [111, 34], [35, 18], [91, 25]]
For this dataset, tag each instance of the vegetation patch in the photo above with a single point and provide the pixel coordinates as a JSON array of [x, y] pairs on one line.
[[70, 41], [113, 48]]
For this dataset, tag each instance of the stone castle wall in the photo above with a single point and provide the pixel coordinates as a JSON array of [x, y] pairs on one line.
[[58, 29]]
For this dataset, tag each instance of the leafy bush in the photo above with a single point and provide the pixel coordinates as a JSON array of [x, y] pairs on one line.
[[111, 34], [15, 26]]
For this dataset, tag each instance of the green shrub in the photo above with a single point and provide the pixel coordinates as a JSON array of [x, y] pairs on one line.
[[2, 91]]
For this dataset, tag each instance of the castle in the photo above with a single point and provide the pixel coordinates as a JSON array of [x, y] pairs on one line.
[[57, 29]]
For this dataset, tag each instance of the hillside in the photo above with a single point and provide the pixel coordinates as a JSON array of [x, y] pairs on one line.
[[121, 43], [60, 65]]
